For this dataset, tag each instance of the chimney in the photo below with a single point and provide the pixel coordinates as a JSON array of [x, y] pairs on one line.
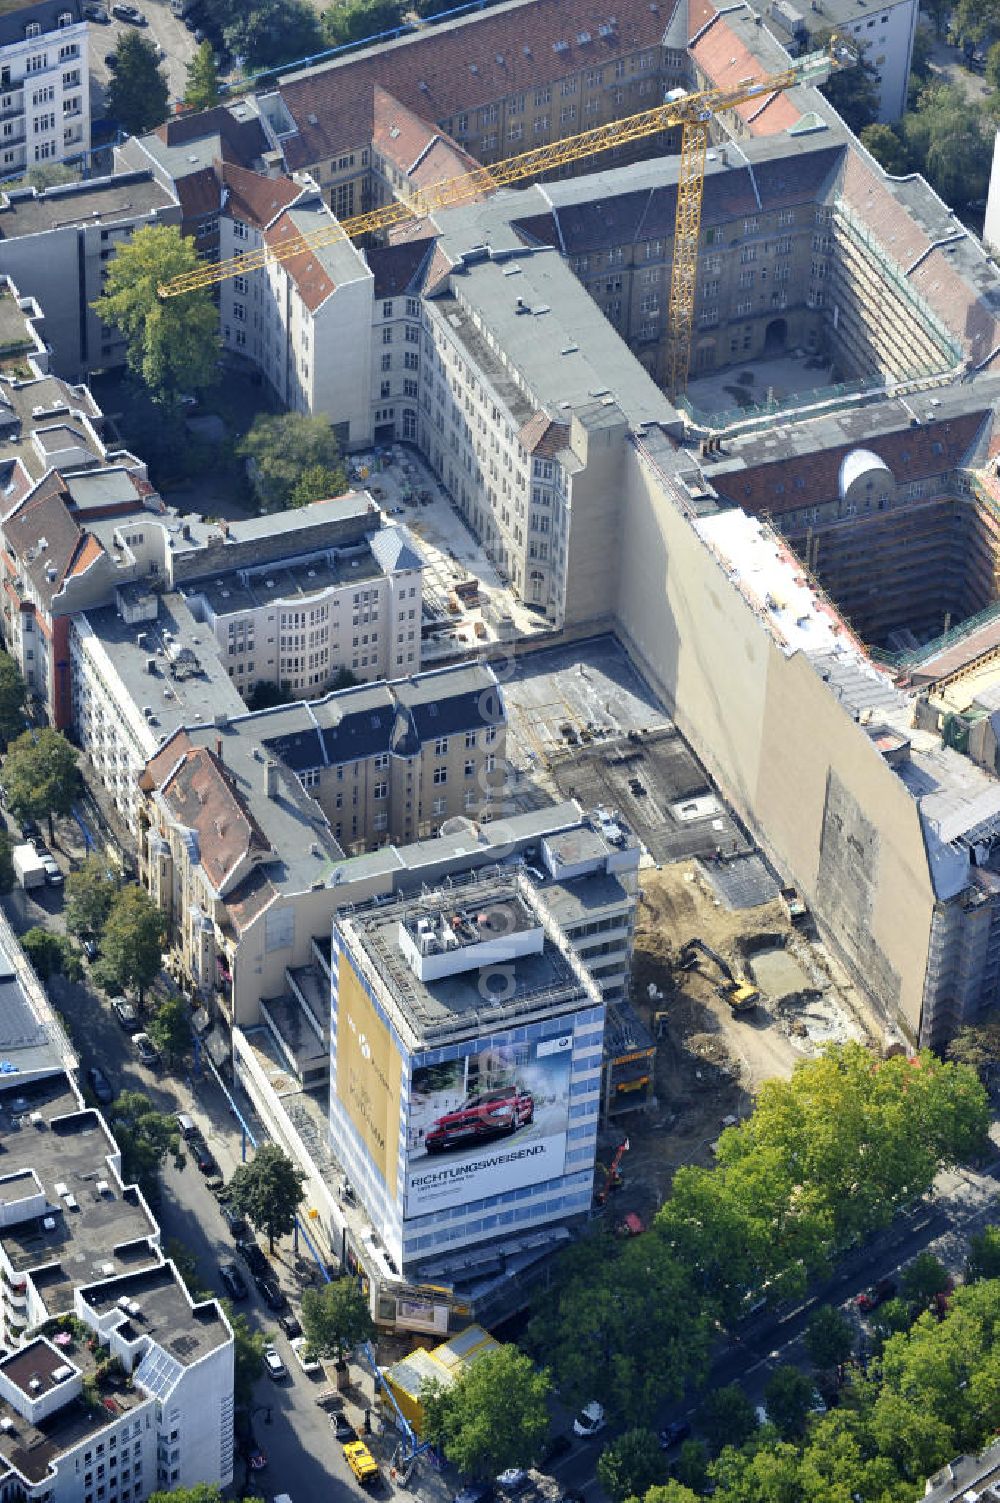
[[271, 774], [218, 747]]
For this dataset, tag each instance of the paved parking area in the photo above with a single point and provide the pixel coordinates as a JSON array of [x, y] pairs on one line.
[[170, 34]]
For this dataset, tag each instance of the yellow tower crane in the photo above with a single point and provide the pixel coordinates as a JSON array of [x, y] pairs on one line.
[[692, 112]]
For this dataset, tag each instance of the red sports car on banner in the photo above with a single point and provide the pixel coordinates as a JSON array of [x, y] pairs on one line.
[[486, 1115]]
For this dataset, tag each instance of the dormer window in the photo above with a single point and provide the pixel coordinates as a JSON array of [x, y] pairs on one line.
[[65, 19], [33, 29]]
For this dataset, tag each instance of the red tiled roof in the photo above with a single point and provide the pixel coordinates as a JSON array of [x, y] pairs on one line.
[[256, 199], [198, 193], [443, 71], [312, 282], [198, 791], [791, 483], [420, 151], [726, 61], [540, 435], [438, 270]]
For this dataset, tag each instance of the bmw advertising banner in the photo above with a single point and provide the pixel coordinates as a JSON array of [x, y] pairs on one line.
[[491, 1121]]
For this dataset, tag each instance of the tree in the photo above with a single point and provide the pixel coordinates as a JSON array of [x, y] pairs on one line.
[[788, 1395], [145, 1136], [671, 1492], [90, 892], [692, 1465], [317, 483], [131, 943], [138, 93], [948, 142], [248, 1357], [265, 695], [173, 343], [13, 697], [40, 776], [493, 1417], [201, 91], [202, 1492], [336, 1318], [727, 1417], [170, 1029], [925, 1277], [977, 1045], [853, 92], [887, 149], [268, 1191], [281, 448], [984, 1255], [972, 21], [894, 1315], [356, 20], [265, 33], [630, 1465], [50, 953], [6, 862], [829, 1338], [939, 11]]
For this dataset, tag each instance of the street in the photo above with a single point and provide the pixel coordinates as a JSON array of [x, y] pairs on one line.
[[176, 43]]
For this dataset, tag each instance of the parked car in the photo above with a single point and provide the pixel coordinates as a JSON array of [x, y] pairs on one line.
[[270, 1293], [590, 1420], [485, 1115], [129, 14], [877, 1295], [97, 13], [90, 947], [124, 1012], [362, 1463], [187, 1125], [199, 1151], [290, 1325], [111, 60], [29, 829], [145, 1048], [514, 1480], [248, 1249], [100, 1085], [300, 1351], [235, 1220], [474, 1492], [256, 1457], [273, 1365], [53, 871], [236, 1284], [676, 1431], [342, 1428]]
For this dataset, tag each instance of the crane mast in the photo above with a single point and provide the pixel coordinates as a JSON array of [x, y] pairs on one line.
[[692, 112]]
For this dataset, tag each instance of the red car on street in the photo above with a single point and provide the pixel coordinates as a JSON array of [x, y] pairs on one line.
[[486, 1115]]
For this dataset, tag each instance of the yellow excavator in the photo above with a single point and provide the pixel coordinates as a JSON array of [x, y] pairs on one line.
[[740, 993]]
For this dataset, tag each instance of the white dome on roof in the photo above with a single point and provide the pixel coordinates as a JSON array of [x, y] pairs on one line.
[[861, 464]]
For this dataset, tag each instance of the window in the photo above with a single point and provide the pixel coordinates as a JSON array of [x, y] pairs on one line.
[[542, 96], [33, 29], [387, 309], [440, 805], [385, 390], [381, 790], [387, 336], [240, 230], [470, 740], [411, 361], [387, 362], [37, 62], [441, 746], [440, 775]]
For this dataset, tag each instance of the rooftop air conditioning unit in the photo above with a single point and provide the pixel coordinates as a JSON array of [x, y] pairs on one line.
[[123, 1302], [49, 1223]]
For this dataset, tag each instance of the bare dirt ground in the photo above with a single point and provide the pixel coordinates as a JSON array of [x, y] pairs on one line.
[[710, 1063]]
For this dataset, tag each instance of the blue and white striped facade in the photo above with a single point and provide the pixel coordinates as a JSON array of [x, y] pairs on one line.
[[575, 1008]]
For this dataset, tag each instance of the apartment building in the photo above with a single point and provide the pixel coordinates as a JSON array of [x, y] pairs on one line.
[[276, 798], [44, 84], [114, 1383], [56, 245], [884, 33], [516, 76]]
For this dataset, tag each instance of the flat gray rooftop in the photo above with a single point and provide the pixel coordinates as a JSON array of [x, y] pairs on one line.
[[582, 898], [102, 201], [68, 1151], [165, 1313], [461, 1006], [174, 701], [228, 594], [554, 335]]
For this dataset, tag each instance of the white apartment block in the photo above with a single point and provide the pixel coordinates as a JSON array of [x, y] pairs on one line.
[[44, 85], [297, 318], [297, 624], [114, 1383], [884, 32]]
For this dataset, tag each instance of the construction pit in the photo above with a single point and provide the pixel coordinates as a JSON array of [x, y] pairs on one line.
[[711, 1061]]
